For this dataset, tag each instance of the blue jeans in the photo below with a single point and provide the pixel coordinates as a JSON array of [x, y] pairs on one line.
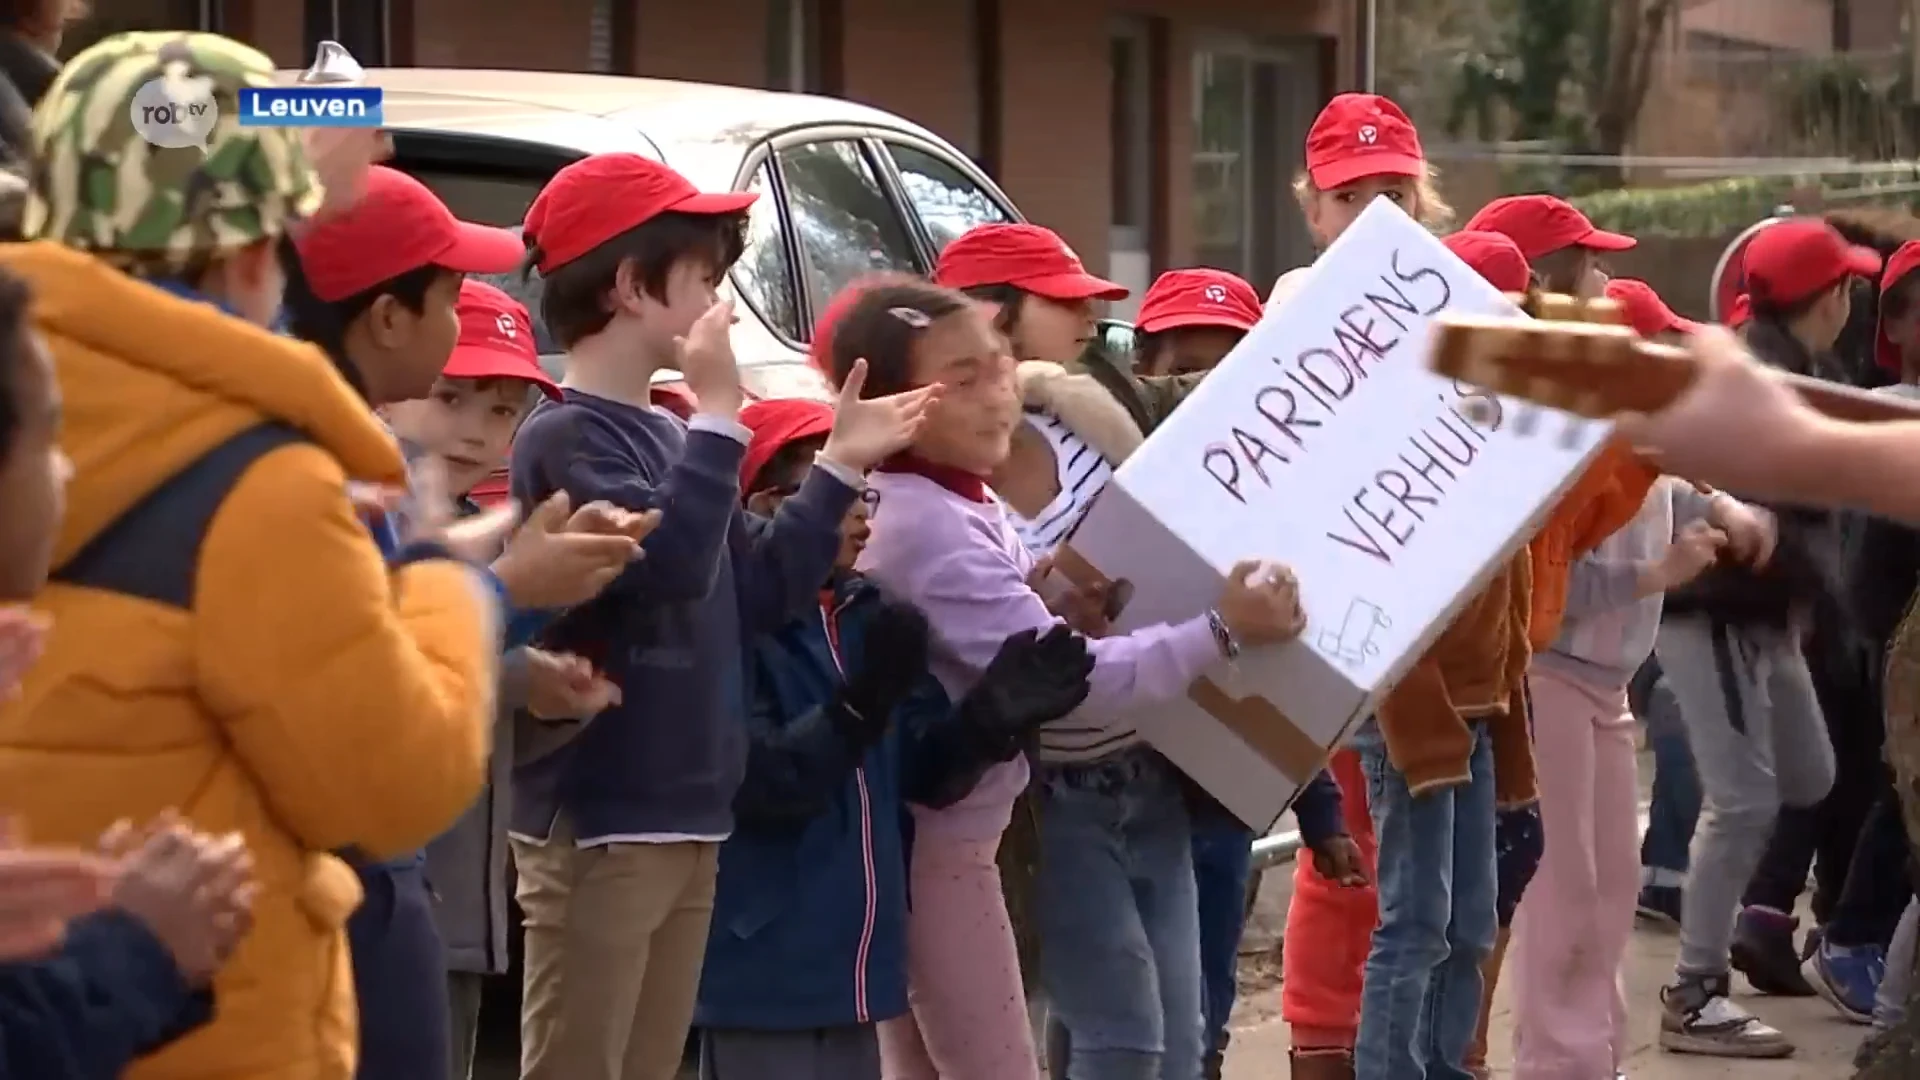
[[1222, 867], [1119, 919], [1676, 785], [1437, 886]]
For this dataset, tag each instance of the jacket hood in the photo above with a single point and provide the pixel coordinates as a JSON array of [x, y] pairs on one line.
[[1082, 403], [152, 381]]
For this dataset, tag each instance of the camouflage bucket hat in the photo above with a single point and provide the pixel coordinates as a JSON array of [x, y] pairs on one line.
[[114, 177]]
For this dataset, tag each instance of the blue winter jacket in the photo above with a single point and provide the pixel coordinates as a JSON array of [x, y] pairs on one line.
[[810, 912], [109, 995]]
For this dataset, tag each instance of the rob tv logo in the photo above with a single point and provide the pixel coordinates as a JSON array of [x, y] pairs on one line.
[[310, 106]]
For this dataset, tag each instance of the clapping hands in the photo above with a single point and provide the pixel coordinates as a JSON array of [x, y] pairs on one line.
[[194, 892]]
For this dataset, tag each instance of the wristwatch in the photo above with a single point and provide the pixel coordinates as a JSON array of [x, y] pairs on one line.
[[1223, 637]]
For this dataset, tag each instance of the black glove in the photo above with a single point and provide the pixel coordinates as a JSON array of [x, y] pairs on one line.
[[1034, 679], [892, 661]]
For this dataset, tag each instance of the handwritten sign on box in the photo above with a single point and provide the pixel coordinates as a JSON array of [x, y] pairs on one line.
[[1323, 442]]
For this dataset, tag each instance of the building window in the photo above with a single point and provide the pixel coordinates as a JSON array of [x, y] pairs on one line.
[[360, 25], [1129, 116], [1128, 107], [107, 17], [600, 38], [1222, 138], [793, 46], [1252, 105]]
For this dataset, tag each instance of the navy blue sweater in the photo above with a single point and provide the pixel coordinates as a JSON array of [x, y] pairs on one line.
[[671, 630], [110, 995], [809, 920]]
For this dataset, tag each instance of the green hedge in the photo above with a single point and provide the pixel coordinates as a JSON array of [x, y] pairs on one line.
[[1719, 207]]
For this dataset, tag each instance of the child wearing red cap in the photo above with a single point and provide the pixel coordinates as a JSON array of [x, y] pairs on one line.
[[1563, 246], [943, 541], [616, 835], [467, 422], [1361, 147], [809, 951], [1605, 497], [1429, 759], [1075, 433], [1649, 315], [1732, 652], [378, 287]]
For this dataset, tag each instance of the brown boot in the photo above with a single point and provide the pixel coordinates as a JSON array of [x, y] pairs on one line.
[[1327, 1064]]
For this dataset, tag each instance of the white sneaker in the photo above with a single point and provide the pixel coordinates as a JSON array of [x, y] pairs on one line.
[[1698, 1018]]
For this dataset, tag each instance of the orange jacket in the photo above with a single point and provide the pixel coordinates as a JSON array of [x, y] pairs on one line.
[[312, 699], [1601, 501], [1476, 670]]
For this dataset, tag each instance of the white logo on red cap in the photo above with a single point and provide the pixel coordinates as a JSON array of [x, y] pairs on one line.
[[504, 323], [1369, 134], [1215, 293], [1069, 252]]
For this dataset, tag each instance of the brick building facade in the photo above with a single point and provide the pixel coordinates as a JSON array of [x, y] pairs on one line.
[[1152, 133]]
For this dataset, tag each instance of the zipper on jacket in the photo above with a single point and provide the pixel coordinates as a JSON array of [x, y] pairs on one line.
[[829, 621]]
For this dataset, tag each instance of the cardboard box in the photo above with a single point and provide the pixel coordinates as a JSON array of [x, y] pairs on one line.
[[1324, 442]]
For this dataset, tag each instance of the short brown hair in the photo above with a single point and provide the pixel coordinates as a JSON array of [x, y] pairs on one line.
[[573, 297]]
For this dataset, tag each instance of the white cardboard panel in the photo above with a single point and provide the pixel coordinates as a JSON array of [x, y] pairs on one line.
[[1323, 442]]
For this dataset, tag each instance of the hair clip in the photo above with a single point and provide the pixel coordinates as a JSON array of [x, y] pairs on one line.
[[913, 317]]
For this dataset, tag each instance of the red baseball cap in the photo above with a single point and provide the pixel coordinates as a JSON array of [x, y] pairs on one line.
[[1796, 258], [1493, 256], [1646, 312], [397, 225], [1198, 297], [1027, 257], [496, 340], [1905, 260], [1545, 223], [597, 198], [1360, 135], [1740, 312], [776, 423]]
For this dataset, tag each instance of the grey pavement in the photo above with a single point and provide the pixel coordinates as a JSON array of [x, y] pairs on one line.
[[1259, 1050]]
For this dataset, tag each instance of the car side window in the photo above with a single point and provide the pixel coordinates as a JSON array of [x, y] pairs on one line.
[[764, 274], [948, 201], [847, 226]]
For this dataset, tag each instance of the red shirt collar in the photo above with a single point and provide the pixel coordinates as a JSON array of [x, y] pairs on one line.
[[969, 486]]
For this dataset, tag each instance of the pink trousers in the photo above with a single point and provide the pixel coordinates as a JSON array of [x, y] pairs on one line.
[[1571, 932], [969, 1018]]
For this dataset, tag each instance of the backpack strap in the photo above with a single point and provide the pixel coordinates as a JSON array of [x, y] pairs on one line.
[[152, 551]]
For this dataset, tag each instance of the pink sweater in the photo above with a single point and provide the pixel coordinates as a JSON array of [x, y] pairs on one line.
[[963, 564]]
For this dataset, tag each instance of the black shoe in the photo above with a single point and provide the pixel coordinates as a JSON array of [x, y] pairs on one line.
[[1763, 951], [1660, 905]]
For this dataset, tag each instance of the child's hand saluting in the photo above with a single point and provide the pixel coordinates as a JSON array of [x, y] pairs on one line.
[[867, 432]]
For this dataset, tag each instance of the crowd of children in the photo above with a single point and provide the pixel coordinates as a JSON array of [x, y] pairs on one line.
[[747, 707]]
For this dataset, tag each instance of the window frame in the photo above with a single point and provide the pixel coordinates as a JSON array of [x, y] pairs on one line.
[[789, 242], [872, 140], [922, 236]]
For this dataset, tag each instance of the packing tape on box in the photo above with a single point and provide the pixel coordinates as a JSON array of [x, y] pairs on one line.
[[1262, 726], [1258, 722]]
